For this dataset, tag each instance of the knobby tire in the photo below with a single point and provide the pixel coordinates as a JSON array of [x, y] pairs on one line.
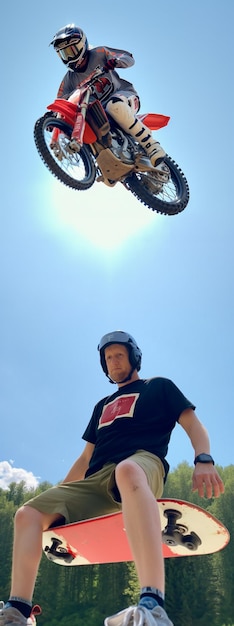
[[172, 199], [76, 171]]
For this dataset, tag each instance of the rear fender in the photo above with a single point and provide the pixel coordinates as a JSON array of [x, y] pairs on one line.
[[154, 121]]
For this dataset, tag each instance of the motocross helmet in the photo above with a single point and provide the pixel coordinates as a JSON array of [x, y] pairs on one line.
[[71, 44], [118, 336]]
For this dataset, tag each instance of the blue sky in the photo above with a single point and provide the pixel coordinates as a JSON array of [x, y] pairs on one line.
[[75, 265]]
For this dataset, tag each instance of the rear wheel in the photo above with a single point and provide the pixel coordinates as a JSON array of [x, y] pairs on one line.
[[74, 169], [169, 197]]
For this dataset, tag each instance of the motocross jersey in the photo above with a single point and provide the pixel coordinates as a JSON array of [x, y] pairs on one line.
[[99, 57]]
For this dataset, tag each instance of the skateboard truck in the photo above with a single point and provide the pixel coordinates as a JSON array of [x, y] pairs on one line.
[[54, 553], [175, 534]]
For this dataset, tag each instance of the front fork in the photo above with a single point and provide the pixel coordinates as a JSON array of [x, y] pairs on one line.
[[79, 126], [69, 111]]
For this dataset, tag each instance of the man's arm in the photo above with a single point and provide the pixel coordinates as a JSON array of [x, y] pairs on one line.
[[123, 58], [205, 476], [77, 471]]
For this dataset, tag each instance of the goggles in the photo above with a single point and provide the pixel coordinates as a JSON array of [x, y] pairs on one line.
[[70, 52]]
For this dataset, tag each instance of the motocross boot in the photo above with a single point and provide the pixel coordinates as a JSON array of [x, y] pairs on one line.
[[122, 113]]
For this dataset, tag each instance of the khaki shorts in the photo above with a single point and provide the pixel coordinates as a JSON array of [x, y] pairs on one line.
[[97, 494]]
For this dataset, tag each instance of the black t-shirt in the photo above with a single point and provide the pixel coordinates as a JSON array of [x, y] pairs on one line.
[[139, 416]]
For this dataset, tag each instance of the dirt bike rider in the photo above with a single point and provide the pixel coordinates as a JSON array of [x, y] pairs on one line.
[[118, 96]]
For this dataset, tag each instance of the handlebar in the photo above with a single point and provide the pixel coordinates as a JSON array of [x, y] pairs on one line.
[[87, 82], [94, 74]]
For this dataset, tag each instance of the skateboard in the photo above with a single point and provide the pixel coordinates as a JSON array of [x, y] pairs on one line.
[[187, 530]]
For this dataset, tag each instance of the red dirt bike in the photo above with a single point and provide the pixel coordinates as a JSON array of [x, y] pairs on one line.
[[81, 144]]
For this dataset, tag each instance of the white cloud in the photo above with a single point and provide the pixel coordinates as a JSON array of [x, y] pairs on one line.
[[9, 474]]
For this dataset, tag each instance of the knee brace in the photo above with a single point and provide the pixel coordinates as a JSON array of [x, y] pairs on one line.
[[121, 112]]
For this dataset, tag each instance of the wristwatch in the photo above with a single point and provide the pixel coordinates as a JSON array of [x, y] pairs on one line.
[[203, 458]]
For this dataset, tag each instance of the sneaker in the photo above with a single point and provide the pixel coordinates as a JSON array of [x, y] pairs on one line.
[[11, 617], [36, 610], [123, 618], [139, 616], [154, 617]]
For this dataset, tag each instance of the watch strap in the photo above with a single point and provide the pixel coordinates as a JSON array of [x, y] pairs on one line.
[[203, 458]]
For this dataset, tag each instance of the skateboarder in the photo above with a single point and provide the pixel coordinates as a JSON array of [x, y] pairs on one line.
[[122, 467]]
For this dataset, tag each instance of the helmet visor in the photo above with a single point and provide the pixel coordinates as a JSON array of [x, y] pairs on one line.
[[69, 53]]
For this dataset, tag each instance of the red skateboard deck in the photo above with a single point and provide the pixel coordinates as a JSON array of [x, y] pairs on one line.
[[187, 530]]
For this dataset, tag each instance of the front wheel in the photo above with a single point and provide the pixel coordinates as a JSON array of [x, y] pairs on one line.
[[74, 169], [169, 197]]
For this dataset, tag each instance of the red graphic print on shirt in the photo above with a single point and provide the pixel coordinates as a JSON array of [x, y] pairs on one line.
[[123, 406]]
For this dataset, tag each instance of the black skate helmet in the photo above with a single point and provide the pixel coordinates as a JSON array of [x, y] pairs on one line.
[[70, 42], [119, 336]]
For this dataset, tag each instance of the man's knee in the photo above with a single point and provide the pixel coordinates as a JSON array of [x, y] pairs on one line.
[[121, 111], [26, 514], [129, 474], [115, 99], [116, 106]]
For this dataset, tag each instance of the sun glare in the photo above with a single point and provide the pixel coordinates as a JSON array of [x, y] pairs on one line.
[[105, 217]]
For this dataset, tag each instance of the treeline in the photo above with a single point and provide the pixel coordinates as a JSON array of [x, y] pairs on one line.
[[199, 590]]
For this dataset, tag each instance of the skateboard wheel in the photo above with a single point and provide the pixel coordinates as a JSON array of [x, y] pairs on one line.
[[192, 541], [55, 552]]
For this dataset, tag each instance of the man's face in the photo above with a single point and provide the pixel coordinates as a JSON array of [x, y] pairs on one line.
[[117, 362]]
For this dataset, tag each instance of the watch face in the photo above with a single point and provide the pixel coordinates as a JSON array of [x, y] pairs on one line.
[[204, 458]]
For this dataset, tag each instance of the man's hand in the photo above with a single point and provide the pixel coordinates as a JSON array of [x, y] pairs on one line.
[[100, 84], [207, 481], [110, 65]]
